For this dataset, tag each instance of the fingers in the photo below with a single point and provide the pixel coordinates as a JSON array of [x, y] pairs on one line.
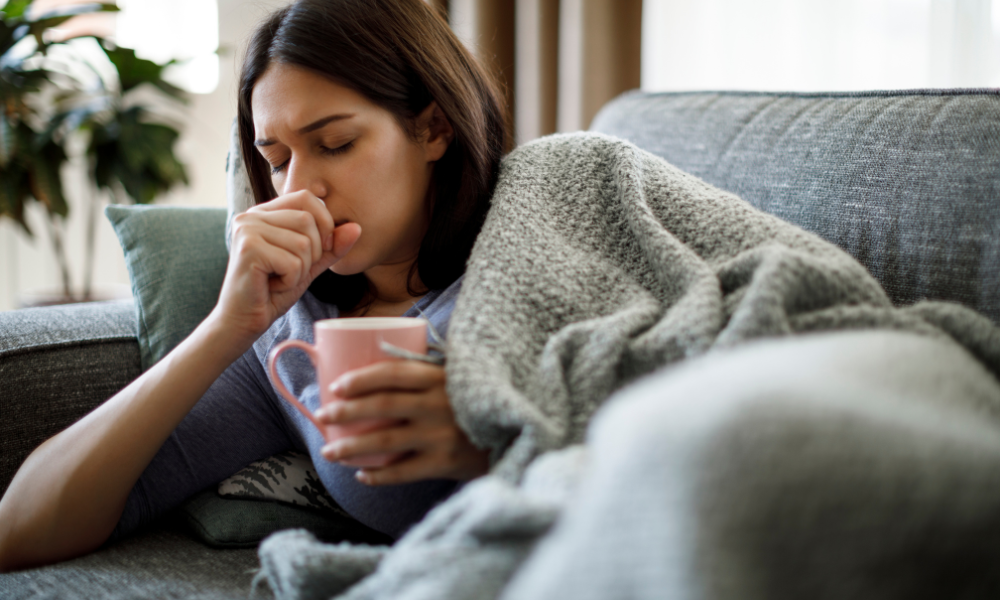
[[388, 375], [430, 407], [393, 389], [305, 248], [425, 434], [403, 438], [415, 468], [295, 231], [426, 454], [301, 200]]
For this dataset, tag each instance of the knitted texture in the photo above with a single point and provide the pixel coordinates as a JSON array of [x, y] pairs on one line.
[[600, 263], [905, 181]]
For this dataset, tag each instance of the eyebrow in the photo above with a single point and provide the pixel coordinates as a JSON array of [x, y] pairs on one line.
[[308, 128]]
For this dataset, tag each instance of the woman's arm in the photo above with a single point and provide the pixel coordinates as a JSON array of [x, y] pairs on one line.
[[69, 494]]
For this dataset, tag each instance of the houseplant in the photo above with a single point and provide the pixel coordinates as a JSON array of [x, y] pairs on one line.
[[53, 101]]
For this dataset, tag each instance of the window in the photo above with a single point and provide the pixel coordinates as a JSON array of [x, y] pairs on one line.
[[811, 45]]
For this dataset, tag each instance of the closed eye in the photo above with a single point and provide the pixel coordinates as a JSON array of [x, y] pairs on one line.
[[323, 149], [279, 168], [338, 149]]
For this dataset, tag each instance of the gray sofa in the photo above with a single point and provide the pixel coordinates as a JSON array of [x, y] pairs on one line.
[[907, 182]]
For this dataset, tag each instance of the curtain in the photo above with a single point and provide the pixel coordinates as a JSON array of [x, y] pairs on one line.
[[559, 61]]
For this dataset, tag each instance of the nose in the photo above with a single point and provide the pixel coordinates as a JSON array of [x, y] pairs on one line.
[[303, 174]]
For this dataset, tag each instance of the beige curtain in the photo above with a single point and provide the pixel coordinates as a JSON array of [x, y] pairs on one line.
[[559, 60]]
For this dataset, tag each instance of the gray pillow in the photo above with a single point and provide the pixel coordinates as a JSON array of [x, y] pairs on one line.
[[176, 258]]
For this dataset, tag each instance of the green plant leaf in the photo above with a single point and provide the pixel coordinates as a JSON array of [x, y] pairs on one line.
[[134, 71], [14, 8], [37, 27], [138, 155], [45, 180], [13, 195], [6, 36]]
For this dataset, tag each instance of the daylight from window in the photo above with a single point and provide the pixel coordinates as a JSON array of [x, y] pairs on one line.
[[814, 45], [185, 30]]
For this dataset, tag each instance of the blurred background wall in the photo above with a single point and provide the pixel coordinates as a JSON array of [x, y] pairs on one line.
[[559, 61]]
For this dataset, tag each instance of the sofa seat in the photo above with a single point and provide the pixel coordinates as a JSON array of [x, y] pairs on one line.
[[161, 562]]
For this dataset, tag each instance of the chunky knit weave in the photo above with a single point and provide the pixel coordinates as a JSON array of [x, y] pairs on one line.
[[599, 263]]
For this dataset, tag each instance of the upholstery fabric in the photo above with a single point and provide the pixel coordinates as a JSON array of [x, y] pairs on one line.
[[176, 259], [907, 182], [160, 563], [56, 364]]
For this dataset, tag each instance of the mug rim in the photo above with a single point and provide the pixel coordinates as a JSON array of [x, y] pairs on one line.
[[369, 323]]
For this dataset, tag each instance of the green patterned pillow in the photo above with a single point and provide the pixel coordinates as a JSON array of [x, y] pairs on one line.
[[280, 492]]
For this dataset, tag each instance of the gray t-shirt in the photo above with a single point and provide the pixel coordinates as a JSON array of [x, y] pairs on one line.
[[242, 419]]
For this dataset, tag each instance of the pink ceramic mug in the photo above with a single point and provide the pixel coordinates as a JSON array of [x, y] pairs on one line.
[[344, 345]]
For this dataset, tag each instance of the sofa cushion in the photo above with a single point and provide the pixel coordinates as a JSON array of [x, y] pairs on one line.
[[176, 258], [908, 182], [56, 364], [158, 563]]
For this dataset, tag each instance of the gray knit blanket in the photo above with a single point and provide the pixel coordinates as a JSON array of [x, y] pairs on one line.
[[599, 266]]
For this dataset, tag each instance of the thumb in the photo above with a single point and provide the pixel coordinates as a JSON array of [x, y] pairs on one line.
[[344, 238]]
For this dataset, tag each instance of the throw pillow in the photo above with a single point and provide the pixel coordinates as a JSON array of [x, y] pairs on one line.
[[176, 258], [280, 492], [239, 523]]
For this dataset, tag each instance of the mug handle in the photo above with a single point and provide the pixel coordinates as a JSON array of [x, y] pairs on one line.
[[272, 367]]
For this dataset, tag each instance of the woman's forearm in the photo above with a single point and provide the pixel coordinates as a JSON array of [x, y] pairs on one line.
[[68, 495]]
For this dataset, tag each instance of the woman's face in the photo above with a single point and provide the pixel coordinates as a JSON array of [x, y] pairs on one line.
[[354, 156]]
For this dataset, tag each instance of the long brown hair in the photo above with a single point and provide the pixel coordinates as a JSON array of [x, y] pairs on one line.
[[401, 55]]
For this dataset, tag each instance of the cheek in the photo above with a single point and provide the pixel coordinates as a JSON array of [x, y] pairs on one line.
[[393, 176]]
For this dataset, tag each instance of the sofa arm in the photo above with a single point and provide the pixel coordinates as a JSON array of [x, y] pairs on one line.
[[57, 364]]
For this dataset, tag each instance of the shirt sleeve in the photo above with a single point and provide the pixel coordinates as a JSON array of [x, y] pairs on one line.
[[234, 424]]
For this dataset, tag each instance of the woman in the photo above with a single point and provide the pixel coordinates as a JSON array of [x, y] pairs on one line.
[[372, 140]]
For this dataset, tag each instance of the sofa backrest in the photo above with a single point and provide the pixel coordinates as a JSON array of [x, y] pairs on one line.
[[907, 182]]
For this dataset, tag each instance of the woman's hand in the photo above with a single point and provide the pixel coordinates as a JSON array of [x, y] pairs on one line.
[[413, 393], [278, 248]]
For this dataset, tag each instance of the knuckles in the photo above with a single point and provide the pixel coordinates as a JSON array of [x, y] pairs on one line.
[[303, 245]]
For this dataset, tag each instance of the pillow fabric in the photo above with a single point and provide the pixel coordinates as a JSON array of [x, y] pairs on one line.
[[176, 258], [243, 523], [288, 477], [280, 492]]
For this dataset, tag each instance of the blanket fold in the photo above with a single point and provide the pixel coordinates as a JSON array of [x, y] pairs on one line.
[[598, 264]]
